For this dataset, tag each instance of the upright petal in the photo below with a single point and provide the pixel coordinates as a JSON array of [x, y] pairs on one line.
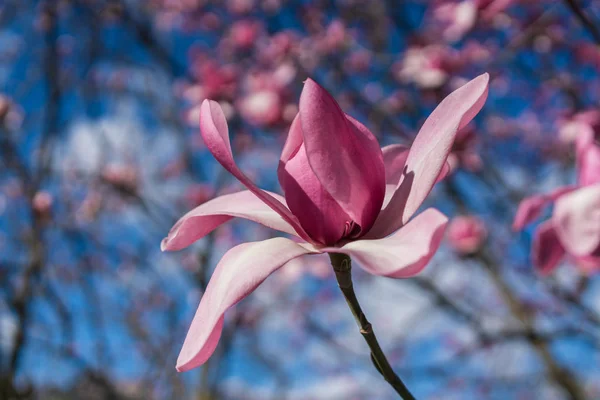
[[239, 273], [203, 219], [546, 251], [343, 154], [214, 130], [429, 152], [403, 254], [394, 159], [588, 165], [319, 214], [577, 220]]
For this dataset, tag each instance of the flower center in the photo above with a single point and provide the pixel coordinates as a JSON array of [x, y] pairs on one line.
[[351, 230]]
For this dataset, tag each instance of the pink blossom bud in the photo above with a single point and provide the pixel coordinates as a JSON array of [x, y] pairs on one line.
[[466, 234]]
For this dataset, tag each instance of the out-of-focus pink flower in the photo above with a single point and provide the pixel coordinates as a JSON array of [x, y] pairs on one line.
[[240, 6], [243, 33], [490, 8], [574, 228], [587, 151], [262, 108], [587, 53], [121, 176], [217, 81], [340, 188], [455, 18], [335, 36], [267, 92], [358, 61], [466, 234], [427, 67], [580, 124], [277, 47], [464, 153], [42, 202]]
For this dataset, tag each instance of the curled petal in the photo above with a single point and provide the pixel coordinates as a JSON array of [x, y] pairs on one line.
[[576, 218], [214, 130], [203, 219], [343, 154], [428, 153], [239, 273], [546, 251], [403, 254]]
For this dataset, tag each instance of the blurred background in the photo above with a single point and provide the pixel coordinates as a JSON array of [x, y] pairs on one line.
[[100, 154]]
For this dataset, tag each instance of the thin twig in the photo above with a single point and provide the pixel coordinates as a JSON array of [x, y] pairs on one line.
[[343, 272], [584, 20]]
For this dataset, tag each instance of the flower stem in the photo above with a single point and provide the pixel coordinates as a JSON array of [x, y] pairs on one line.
[[343, 272]]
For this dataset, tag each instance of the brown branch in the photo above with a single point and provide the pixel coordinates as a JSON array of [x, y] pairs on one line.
[[584, 19], [343, 272]]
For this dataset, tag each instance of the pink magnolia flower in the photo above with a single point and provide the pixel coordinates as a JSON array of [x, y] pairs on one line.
[[456, 18], [243, 33], [578, 125], [587, 153], [121, 176], [343, 194], [574, 228], [466, 234], [427, 67], [262, 108], [42, 202]]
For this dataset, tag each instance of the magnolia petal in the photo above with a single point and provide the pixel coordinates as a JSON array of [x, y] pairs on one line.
[[403, 254], [394, 159], [446, 169], [203, 219], [239, 273], [317, 211], [588, 165], [529, 210], [577, 220], [343, 154], [546, 251], [531, 207], [214, 130], [428, 153]]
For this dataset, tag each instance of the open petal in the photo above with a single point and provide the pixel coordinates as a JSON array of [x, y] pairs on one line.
[[343, 154], [428, 153], [577, 220], [214, 130], [239, 273], [403, 254], [203, 219], [546, 251]]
